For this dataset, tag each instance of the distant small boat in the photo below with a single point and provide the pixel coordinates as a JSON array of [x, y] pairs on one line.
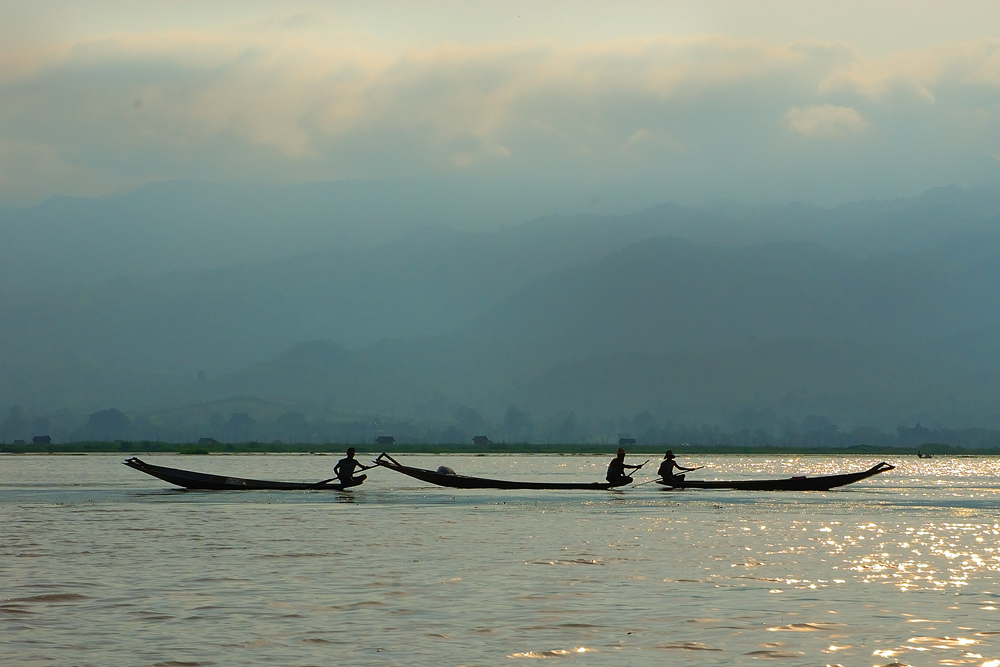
[[921, 455], [206, 482], [821, 483], [451, 480]]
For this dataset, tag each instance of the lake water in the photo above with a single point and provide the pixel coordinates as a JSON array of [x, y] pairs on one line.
[[101, 565]]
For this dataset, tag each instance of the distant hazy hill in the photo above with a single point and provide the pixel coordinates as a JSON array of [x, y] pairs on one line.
[[430, 282], [690, 331], [65, 243], [853, 384], [425, 375], [188, 225], [692, 314], [667, 295]]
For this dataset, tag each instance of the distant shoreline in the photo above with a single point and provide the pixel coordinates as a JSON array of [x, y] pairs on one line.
[[123, 448]]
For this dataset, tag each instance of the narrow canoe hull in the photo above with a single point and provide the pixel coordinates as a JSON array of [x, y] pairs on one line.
[[465, 482], [206, 482], [822, 483]]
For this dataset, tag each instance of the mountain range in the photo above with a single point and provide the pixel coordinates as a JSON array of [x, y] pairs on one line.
[[874, 313]]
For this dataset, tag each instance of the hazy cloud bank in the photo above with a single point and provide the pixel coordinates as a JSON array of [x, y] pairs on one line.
[[706, 115]]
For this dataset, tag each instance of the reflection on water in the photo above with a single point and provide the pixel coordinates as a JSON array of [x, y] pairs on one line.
[[102, 565]]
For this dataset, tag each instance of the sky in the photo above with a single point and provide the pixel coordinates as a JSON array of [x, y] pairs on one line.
[[762, 101]]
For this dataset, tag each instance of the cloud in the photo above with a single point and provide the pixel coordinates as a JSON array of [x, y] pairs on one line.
[[825, 121], [281, 103]]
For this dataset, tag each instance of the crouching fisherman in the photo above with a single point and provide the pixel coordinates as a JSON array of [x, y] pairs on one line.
[[666, 470], [616, 469], [344, 470]]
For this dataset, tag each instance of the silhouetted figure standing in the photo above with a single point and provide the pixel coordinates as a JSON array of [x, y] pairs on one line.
[[666, 470], [344, 470], [616, 469]]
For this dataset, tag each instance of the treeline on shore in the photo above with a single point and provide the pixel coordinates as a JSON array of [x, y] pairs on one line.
[[149, 447], [112, 431]]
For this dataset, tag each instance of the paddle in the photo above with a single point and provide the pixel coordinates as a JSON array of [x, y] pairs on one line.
[[635, 470], [650, 481]]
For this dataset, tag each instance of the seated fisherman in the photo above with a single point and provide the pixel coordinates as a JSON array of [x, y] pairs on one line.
[[344, 470], [666, 470], [616, 469]]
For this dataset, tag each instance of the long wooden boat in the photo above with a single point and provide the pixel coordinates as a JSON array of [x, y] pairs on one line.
[[454, 481], [821, 483], [204, 481]]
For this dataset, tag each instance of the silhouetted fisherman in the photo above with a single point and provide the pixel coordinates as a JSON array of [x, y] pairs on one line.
[[666, 470], [616, 469], [344, 470]]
